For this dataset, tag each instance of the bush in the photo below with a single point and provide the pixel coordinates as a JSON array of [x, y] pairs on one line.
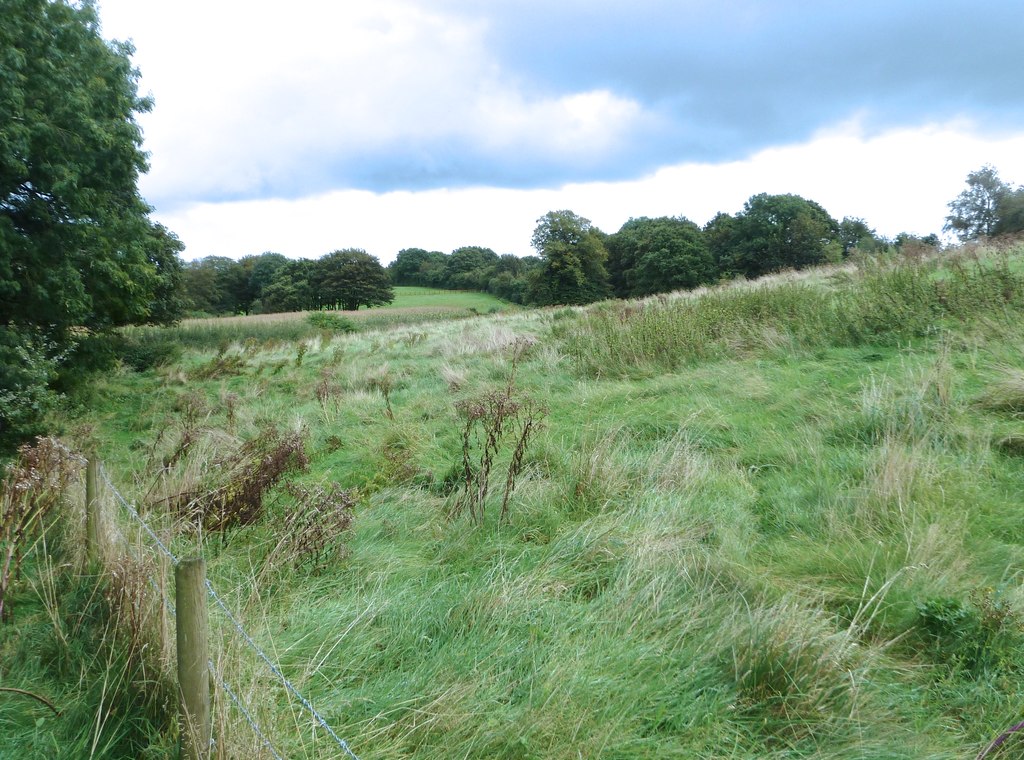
[[323, 320], [27, 367]]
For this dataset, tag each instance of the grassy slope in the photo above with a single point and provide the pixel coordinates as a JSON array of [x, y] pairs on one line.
[[786, 531]]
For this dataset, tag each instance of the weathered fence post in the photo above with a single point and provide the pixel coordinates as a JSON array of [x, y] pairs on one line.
[[193, 677], [93, 529]]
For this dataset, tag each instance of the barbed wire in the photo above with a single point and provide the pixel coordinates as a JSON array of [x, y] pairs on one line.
[[241, 707], [284, 680], [134, 513], [238, 627]]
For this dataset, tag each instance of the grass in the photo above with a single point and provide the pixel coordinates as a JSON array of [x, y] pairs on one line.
[[758, 521]]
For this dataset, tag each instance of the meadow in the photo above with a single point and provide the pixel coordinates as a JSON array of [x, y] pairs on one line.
[[770, 519]]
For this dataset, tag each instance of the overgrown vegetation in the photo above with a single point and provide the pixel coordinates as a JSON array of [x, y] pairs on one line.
[[768, 519]]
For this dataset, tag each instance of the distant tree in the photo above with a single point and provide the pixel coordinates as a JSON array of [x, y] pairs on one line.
[[854, 233], [719, 232], [470, 268], [292, 288], [912, 245], [216, 285], [975, 212], [259, 272], [657, 256], [573, 254], [511, 278], [417, 266], [775, 232], [1011, 213], [352, 278]]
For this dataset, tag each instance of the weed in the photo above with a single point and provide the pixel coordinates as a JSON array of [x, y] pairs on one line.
[[312, 534], [30, 493], [247, 475], [979, 635], [487, 420]]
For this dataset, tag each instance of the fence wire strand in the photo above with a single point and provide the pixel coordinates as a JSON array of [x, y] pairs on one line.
[[342, 744]]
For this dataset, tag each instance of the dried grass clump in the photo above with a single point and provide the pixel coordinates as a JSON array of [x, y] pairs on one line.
[[313, 533], [248, 475], [1006, 394], [31, 491]]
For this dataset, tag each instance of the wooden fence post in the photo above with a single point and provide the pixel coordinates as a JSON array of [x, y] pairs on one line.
[[93, 529], [193, 676]]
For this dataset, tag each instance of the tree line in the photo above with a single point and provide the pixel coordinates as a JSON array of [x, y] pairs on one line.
[[80, 256], [575, 262]]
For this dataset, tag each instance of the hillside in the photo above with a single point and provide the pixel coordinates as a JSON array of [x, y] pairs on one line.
[[770, 519]]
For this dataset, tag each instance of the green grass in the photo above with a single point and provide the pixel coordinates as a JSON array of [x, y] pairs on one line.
[[412, 305], [408, 297], [773, 521]]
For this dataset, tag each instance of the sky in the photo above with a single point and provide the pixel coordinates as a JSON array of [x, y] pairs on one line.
[[313, 125]]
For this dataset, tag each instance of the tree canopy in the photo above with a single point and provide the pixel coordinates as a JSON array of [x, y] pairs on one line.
[[657, 255], [351, 278], [77, 248], [987, 206], [78, 252], [775, 232], [573, 258]]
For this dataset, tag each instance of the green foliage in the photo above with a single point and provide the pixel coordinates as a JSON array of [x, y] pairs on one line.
[[649, 256], [975, 212], [334, 322], [28, 365], [573, 256], [352, 278], [76, 245], [776, 232], [979, 635], [77, 248]]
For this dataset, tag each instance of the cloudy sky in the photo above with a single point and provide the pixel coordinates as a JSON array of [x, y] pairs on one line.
[[312, 125]]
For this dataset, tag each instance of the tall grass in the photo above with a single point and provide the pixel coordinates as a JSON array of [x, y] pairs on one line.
[[773, 520], [885, 303]]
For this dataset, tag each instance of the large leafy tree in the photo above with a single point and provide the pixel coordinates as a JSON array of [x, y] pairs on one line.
[[352, 278], [417, 266], [775, 232], [76, 244], [77, 248], [573, 255], [658, 255], [975, 212]]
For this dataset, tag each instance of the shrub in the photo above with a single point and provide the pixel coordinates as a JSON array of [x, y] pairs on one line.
[[323, 320]]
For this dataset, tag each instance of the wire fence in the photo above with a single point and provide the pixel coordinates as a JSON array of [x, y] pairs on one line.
[[159, 545]]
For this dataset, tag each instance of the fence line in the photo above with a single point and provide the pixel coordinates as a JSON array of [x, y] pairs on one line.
[[238, 627]]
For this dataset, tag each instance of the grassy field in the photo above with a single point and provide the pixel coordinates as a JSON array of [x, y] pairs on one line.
[[412, 305], [767, 520]]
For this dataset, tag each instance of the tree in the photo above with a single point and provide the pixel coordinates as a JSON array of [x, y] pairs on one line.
[[77, 247], [975, 212], [657, 256], [854, 233], [1011, 213], [775, 232], [416, 266], [291, 289], [470, 267], [74, 231], [216, 285], [259, 272], [352, 278], [167, 304], [573, 255]]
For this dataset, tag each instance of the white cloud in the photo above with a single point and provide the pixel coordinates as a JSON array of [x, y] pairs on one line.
[[264, 100], [898, 181]]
